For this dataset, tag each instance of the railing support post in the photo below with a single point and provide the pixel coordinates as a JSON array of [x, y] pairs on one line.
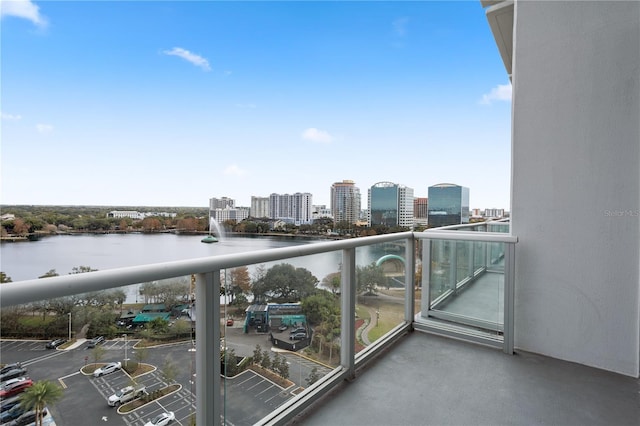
[[208, 398], [409, 277], [348, 323], [509, 297], [453, 267], [425, 301]]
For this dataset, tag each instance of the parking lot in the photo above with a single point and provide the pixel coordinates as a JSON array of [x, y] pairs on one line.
[[85, 397], [247, 397]]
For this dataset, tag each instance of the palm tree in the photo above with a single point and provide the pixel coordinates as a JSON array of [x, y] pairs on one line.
[[40, 395]]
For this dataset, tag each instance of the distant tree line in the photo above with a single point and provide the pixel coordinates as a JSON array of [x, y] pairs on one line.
[[67, 219], [282, 283]]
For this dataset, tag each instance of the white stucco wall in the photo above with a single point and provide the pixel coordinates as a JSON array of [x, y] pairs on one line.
[[576, 181]]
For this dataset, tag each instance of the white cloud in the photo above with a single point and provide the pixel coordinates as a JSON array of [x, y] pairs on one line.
[[400, 26], [10, 117], [23, 9], [196, 60], [234, 170], [502, 92], [44, 128], [315, 135]]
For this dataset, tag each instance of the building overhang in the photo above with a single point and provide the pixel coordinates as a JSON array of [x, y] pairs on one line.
[[500, 17]]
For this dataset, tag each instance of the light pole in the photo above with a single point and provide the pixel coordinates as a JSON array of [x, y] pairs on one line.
[[125, 350], [69, 326]]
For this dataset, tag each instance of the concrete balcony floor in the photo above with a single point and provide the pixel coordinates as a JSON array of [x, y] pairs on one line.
[[430, 380]]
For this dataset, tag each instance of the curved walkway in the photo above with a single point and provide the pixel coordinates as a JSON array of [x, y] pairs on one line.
[[368, 326]]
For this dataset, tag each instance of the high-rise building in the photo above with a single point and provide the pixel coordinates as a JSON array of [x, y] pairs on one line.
[[345, 201], [221, 203], [448, 205], [390, 204], [223, 209], [293, 208], [420, 207], [420, 211], [230, 213], [259, 207]]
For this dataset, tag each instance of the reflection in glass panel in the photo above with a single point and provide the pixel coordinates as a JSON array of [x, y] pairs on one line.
[[380, 278], [283, 324]]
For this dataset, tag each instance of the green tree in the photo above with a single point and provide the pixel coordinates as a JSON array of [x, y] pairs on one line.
[[49, 273], [4, 278], [320, 307], [332, 282], [230, 362], [239, 283], [41, 394], [265, 362], [284, 283], [280, 366], [369, 277], [181, 328], [257, 355], [158, 325]]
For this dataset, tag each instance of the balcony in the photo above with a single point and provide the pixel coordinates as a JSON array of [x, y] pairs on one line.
[[420, 377]]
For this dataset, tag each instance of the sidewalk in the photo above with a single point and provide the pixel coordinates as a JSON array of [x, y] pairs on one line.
[[75, 344]]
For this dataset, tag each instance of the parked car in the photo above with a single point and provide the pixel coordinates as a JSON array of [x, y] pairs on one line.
[[27, 418], [55, 343], [298, 336], [125, 395], [229, 322], [13, 373], [13, 413], [298, 330], [283, 327], [8, 403], [162, 419], [107, 369], [96, 341], [14, 387], [10, 367]]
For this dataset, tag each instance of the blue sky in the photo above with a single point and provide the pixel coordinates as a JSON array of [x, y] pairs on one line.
[[172, 103]]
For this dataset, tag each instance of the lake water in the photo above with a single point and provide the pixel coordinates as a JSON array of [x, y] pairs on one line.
[[29, 260]]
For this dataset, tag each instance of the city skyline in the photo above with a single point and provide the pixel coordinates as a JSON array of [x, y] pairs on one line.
[[172, 103]]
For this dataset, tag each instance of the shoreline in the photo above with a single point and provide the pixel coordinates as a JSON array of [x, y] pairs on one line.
[[36, 237]]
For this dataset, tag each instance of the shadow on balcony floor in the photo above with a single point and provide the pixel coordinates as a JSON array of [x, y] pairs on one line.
[[431, 380]]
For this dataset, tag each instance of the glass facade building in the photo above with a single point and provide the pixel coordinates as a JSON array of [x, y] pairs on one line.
[[390, 204], [448, 205]]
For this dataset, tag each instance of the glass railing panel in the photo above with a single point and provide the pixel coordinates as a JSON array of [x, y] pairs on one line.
[[441, 276], [496, 257], [287, 327], [380, 301], [474, 295], [479, 256], [499, 227], [464, 261]]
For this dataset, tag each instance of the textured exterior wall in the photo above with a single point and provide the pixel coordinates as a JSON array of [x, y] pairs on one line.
[[576, 181]]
